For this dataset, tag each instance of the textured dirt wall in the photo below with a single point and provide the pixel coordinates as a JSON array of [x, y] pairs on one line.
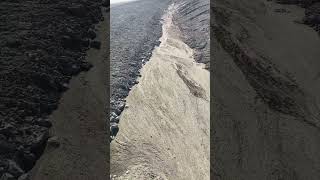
[[265, 122], [193, 18]]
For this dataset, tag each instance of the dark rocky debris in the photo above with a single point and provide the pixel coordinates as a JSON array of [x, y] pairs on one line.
[[133, 37], [42, 45], [114, 129], [95, 44]]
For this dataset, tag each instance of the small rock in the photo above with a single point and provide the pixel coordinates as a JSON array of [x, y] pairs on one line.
[[85, 66], [85, 42], [95, 44], [115, 119], [113, 114], [75, 67], [71, 42], [120, 105], [69, 69], [53, 142], [114, 129], [29, 119], [38, 140], [44, 122], [64, 86], [91, 34]]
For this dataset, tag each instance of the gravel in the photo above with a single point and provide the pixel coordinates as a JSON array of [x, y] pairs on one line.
[[133, 36], [42, 46]]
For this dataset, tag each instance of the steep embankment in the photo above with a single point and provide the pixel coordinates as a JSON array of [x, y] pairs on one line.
[[133, 36], [266, 92], [43, 44], [164, 131], [192, 18]]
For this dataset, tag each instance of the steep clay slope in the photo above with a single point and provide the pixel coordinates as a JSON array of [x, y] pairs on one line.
[[265, 122]]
